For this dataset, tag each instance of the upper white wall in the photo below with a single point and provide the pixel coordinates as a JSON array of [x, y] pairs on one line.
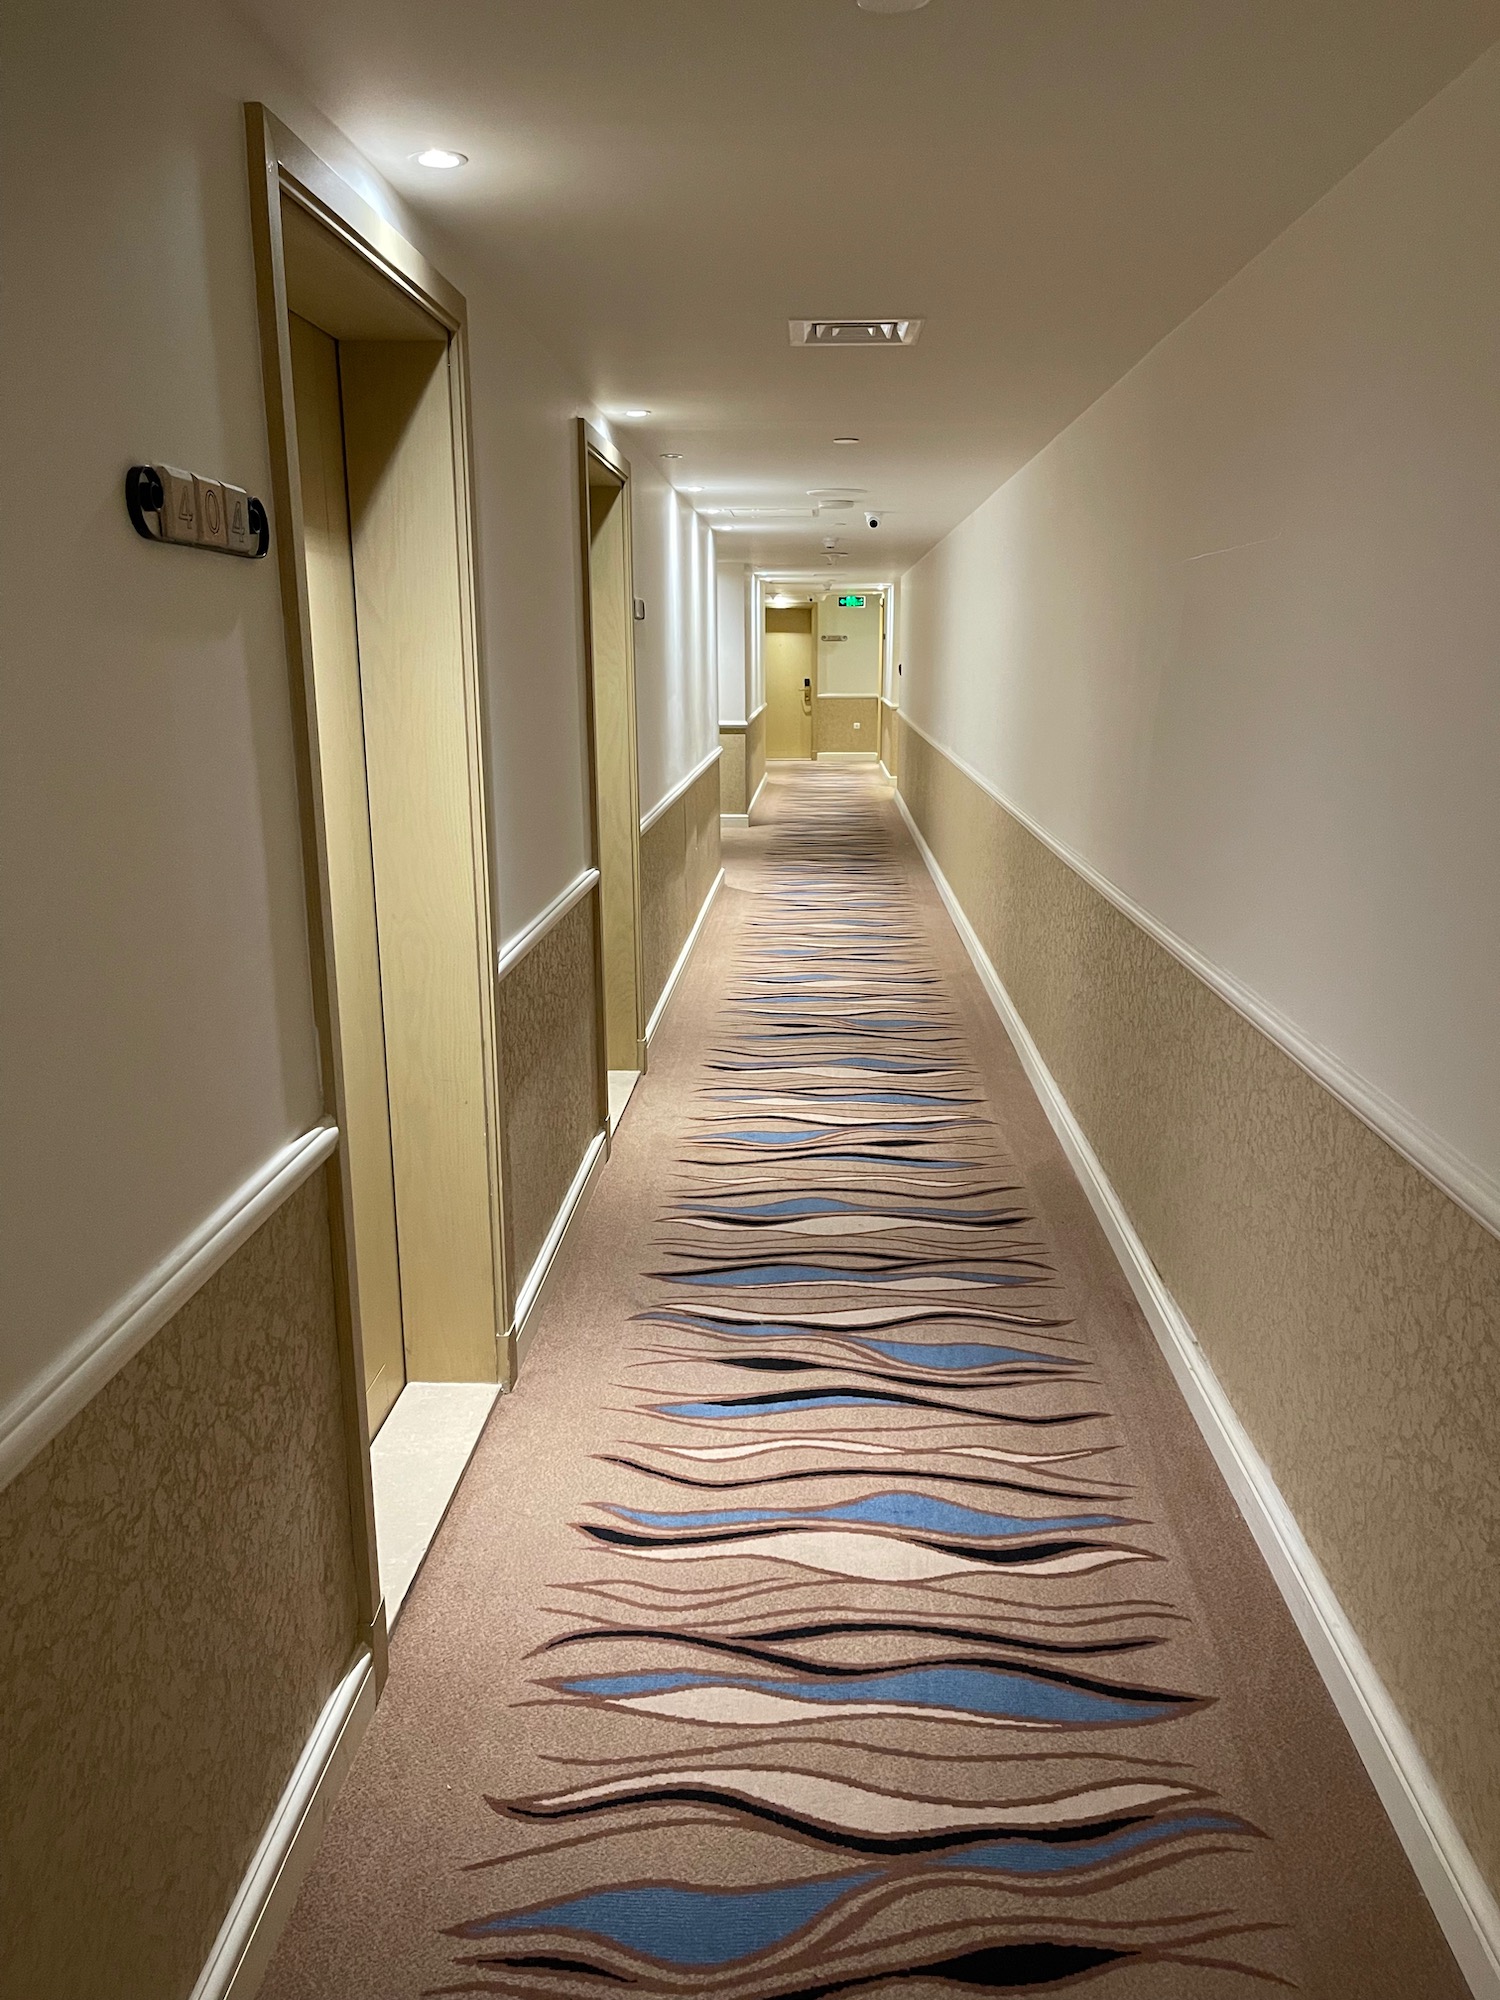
[[848, 640], [1233, 637], [155, 1011], [676, 673], [155, 1000], [730, 624]]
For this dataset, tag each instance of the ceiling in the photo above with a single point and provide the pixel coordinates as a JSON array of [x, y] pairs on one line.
[[1052, 185]]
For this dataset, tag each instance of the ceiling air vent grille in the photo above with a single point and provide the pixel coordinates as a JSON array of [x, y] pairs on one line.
[[853, 332]]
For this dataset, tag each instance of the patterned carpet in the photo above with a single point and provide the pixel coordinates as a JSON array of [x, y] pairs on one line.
[[826, 1612]]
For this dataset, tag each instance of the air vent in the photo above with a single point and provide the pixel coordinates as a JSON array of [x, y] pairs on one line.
[[853, 332]]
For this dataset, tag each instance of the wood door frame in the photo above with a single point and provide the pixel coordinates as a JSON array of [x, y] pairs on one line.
[[281, 168], [593, 443]]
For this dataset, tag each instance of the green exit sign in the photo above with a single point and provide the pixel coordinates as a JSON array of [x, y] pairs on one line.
[[852, 603]]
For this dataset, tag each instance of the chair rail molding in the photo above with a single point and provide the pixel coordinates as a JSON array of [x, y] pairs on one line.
[[515, 949], [1463, 1179], [56, 1396], [683, 786]]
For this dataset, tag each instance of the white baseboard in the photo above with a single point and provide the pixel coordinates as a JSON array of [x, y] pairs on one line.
[[755, 795], [848, 757], [734, 819], [682, 958], [529, 1296], [258, 1914], [1460, 1898]]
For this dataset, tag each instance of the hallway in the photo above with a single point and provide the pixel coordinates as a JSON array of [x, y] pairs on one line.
[[844, 1599], [749, 1104]]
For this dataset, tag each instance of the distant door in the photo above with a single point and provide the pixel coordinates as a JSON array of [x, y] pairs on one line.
[[790, 686], [616, 795]]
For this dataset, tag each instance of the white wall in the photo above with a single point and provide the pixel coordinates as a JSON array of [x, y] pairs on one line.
[[154, 996], [849, 645], [155, 1013], [732, 619], [1234, 637], [676, 674], [530, 580]]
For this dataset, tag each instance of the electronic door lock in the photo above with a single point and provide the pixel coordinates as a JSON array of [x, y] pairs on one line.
[[166, 504]]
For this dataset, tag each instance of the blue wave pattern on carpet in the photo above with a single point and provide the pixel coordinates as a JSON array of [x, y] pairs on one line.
[[915, 1626]]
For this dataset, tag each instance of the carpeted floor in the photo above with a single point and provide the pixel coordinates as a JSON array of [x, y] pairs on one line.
[[845, 1602]]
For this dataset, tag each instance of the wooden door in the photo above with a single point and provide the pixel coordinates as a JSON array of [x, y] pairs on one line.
[[428, 868], [364, 1114], [616, 787], [788, 657]]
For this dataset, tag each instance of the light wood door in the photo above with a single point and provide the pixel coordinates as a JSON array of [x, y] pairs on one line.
[[429, 885], [788, 660], [364, 1114], [616, 788]]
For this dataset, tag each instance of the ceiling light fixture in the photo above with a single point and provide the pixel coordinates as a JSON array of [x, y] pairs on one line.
[[440, 158], [669, 454], [846, 440], [890, 6], [635, 414]]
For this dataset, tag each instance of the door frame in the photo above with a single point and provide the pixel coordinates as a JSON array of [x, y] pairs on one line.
[[592, 442], [282, 167]]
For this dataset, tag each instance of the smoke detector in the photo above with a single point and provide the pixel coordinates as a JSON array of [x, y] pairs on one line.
[[853, 332]]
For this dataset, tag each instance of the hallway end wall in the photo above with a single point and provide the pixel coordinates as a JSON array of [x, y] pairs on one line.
[[1229, 642]]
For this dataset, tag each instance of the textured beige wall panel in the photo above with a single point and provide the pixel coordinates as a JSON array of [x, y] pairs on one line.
[[1350, 1309], [755, 752], [549, 1057], [178, 1583], [732, 791], [703, 805], [849, 722], [663, 927], [679, 860]]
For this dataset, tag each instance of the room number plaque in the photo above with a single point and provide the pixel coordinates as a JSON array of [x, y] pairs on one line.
[[166, 504]]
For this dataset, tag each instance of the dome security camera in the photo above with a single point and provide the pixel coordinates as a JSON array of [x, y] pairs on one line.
[[872, 520]]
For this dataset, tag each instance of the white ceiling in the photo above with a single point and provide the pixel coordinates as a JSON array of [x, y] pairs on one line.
[[1052, 184]]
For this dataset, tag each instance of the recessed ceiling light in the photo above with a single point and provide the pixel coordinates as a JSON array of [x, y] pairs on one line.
[[635, 413], [854, 332], [669, 454], [847, 440], [690, 489], [441, 158]]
